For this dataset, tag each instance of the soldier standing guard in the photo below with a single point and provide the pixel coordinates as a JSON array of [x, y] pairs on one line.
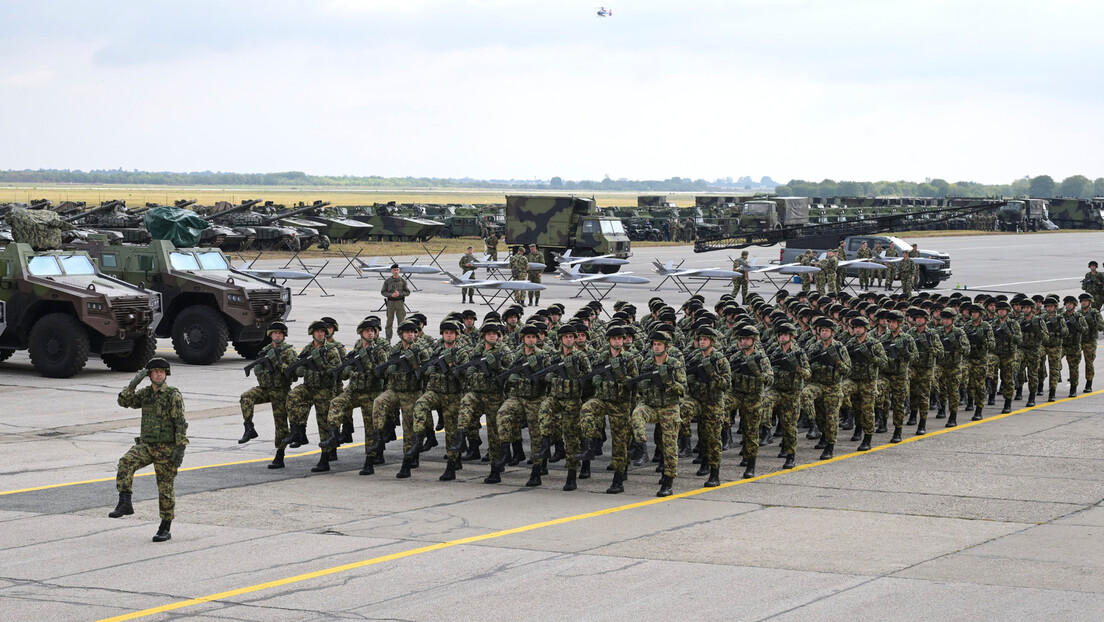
[[395, 290], [163, 437], [1093, 284], [533, 257], [519, 266], [491, 242], [740, 283], [865, 274], [272, 387], [467, 294]]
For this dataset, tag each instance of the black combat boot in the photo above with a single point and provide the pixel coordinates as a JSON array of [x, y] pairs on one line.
[[518, 453], [495, 477], [415, 446], [378, 444], [942, 412], [749, 472], [545, 452], [765, 436], [430, 442], [379, 459], [1030, 399], [703, 470], [969, 402], [292, 439], [560, 453], [714, 478], [813, 431], [922, 427], [570, 484], [1088, 386], [404, 470], [992, 401], [977, 413], [782, 452], [368, 468], [303, 440], [347, 432], [664, 487], [587, 453], [865, 445], [163, 531], [913, 416], [848, 421], [123, 508], [637, 452], [333, 455], [503, 457], [584, 470], [828, 451], [952, 420], [789, 463], [1019, 393], [535, 475], [726, 438], [684, 449], [440, 423], [250, 432], [323, 463], [414, 462], [473, 450], [896, 438], [858, 434], [333, 441], [1050, 398], [278, 460], [1007, 406], [617, 486], [880, 422], [821, 444], [1073, 390], [450, 472]]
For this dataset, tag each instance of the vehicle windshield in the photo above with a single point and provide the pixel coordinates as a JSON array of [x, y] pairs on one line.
[[212, 260], [757, 209], [50, 265], [183, 261], [44, 266], [77, 264], [613, 227]]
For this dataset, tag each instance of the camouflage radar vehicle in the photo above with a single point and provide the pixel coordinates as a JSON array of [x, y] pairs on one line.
[[57, 305], [561, 223], [207, 302], [388, 225]]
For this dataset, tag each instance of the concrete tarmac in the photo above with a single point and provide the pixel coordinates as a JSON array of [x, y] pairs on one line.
[[985, 521]]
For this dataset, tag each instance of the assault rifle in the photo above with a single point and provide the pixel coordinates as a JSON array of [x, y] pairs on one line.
[[555, 368], [398, 359], [782, 361], [440, 362], [605, 370], [520, 368], [306, 359], [697, 370], [478, 361], [352, 359], [651, 375], [860, 351], [265, 363]]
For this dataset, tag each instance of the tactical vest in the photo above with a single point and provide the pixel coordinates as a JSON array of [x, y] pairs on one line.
[[158, 426]]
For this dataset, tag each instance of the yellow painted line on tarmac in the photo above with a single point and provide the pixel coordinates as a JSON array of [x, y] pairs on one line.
[[550, 523]]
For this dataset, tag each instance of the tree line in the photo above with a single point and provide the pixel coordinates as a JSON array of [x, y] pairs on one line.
[[1043, 186]]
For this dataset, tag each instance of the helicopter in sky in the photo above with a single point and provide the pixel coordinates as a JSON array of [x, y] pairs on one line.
[[604, 12]]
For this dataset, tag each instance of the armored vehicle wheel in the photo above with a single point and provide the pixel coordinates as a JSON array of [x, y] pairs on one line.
[[58, 346], [199, 335], [143, 351], [445, 233], [250, 350], [5, 355]]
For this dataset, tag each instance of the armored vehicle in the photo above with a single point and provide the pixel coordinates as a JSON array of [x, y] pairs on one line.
[[468, 225], [57, 305], [562, 223], [260, 230], [334, 223], [114, 216], [388, 225], [1077, 213], [207, 303]]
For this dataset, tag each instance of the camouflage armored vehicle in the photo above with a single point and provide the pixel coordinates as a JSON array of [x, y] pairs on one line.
[[467, 225], [207, 303], [57, 305], [654, 200], [562, 223], [388, 225], [260, 230], [114, 216], [215, 235], [1076, 213], [334, 223]]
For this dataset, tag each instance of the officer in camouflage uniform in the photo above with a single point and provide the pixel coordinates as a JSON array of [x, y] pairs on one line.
[[662, 384], [1007, 342], [806, 260], [484, 396], [492, 246], [751, 376], [828, 267], [1095, 323], [364, 387], [900, 351], [1034, 332], [161, 442], [560, 411], [865, 274], [1093, 284], [891, 268], [929, 348], [956, 347], [443, 392], [519, 266], [318, 361], [1076, 329], [524, 395], [403, 389], [467, 294], [394, 291], [272, 387], [860, 389], [878, 250], [1052, 343], [791, 370], [740, 283], [829, 364], [612, 399], [907, 271], [533, 257], [980, 335], [709, 377]]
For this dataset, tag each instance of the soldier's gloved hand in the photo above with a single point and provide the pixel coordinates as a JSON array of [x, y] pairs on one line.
[[178, 456], [138, 378]]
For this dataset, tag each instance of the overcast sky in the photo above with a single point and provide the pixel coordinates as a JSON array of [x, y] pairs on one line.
[[842, 89]]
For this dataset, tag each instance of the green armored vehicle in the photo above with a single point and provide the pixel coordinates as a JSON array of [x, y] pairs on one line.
[[207, 302], [334, 223], [56, 304], [388, 225], [113, 216], [562, 223], [259, 230]]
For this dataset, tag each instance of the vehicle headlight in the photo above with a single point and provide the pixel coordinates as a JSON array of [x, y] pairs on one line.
[[285, 294], [236, 298], [97, 307]]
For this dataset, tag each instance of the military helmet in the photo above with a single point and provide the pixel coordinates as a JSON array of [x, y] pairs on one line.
[[490, 327], [566, 329], [785, 328], [316, 325], [659, 335], [860, 322], [947, 313], [409, 325], [747, 331], [615, 331], [331, 322], [365, 325], [1069, 299], [158, 363], [707, 331], [280, 326], [449, 325], [1085, 296], [529, 329], [374, 321], [824, 322], [468, 313], [1003, 304], [419, 318], [556, 308]]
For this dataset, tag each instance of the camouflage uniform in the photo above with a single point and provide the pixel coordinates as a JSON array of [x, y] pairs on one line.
[[956, 347], [751, 376], [907, 271], [865, 274], [929, 348], [484, 397], [612, 400], [467, 294], [523, 399], [534, 275], [860, 389], [1095, 323], [1034, 333], [163, 431], [740, 283], [658, 403], [272, 387], [900, 350], [981, 340], [1007, 339], [559, 414], [790, 375], [828, 268], [891, 268], [519, 265], [443, 393], [361, 392], [317, 389], [492, 246], [1076, 328], [403, 389], [1093, 284], [396, 307], [1052, 347], [828, 366], [705, 399], [806, 279]]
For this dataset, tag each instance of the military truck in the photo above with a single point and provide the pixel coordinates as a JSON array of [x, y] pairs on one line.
[[207, 303], [57, 305], [562, 223], [776, 213], [654, 200], [1022, 215], [1077, 213]]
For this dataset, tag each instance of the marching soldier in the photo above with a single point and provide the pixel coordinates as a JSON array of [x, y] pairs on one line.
[[1007, 342], [829, 364], [395, 290], [956, 347], [612, 398], [922, 369], [709, 377], [1076, 329], [533, 257], [161, 442], [484, 397], [316, 363], [524, 396], [661, 384], [980, 335], [272, 387], [900, 350], [560, 412], [403, 389], [363, 389], [1034, 333], [791, 371], [1094, 321], [868, 359], [442, 393], [1052, 343], [751, 376]]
